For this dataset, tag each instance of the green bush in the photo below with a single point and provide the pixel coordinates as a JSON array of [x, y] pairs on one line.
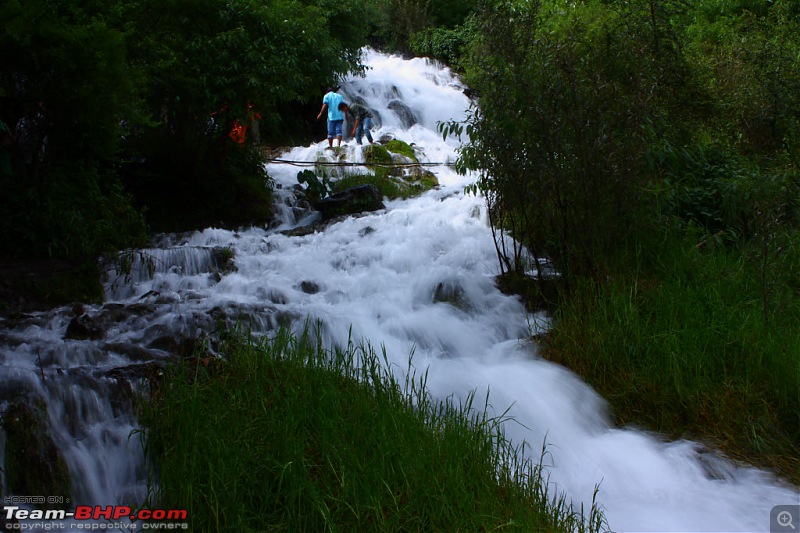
[[444, 44]]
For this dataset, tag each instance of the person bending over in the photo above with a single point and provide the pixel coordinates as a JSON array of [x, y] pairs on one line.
[[362, 124]]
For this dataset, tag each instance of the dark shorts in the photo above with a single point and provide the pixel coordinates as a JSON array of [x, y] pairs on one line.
[[335, 128]]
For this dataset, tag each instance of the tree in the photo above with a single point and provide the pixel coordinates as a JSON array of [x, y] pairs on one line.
[[64, 84], [64, 81], [208, 64], [568, 93]]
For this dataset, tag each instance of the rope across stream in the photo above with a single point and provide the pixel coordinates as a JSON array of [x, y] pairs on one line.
[[346, 164]]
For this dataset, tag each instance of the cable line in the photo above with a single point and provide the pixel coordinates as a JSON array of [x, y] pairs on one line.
[[346, 164]]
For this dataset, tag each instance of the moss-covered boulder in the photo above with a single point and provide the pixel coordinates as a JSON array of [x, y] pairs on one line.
[[397, 146], [422, 179], [34, 465], [393, 170], [375, 154]]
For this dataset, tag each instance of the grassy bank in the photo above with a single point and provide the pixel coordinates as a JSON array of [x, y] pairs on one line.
[[282, 435], [701, 342]]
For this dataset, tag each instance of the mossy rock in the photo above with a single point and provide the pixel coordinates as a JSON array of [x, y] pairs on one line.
[[391, 182], [428, 180], [403, 148], [391, 187], [34, 465], [387, 187], [375, 154], [224, 258], [425, 179]]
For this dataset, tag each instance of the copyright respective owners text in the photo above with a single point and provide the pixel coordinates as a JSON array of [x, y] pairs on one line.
[[785, 519], [40, 513]]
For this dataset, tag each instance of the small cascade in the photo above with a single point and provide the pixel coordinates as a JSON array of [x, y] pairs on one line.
[[131, 268], [76, 399]]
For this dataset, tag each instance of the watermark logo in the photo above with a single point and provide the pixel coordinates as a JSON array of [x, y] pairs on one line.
[[96, 517], [784, 519]]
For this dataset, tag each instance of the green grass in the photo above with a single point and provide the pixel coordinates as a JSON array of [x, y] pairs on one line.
[[694, 348], [282, 435]]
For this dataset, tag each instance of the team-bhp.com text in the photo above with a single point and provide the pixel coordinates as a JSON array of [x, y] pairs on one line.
[[111, 517]]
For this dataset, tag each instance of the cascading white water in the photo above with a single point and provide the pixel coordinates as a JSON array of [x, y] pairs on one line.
[[416, 276]]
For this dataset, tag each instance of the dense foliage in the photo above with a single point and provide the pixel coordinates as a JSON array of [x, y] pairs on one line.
[[104, 100], [120, 116], [598, 120], [63, 83], [649, 150]]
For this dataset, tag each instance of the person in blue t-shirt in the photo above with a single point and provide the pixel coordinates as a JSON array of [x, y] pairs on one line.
[[331, 102]]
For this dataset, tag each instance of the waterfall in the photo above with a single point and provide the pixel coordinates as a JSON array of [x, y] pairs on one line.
[[417, 275]]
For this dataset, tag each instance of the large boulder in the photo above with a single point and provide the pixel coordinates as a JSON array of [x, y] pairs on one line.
[[350, 201], [84, 327], [403, 112]]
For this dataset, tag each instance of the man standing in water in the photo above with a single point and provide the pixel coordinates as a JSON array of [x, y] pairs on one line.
[[363, 122], [331, 101]]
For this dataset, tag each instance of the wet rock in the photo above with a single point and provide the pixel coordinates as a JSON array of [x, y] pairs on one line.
[[135, 372], [302, 231], [140, 309], [273, 152], [354, 200], [85, 327], [399, 160], [223, 259], [403, 112], [714, 465], [134, 352], [452, 293], [15, 319], [271, 295], [309, 287], [285, 319], [538, 294], [114, 313], [165, 343], [386, 138]]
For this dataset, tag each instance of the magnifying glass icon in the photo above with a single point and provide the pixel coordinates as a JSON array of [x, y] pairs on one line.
[[785, 519]]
